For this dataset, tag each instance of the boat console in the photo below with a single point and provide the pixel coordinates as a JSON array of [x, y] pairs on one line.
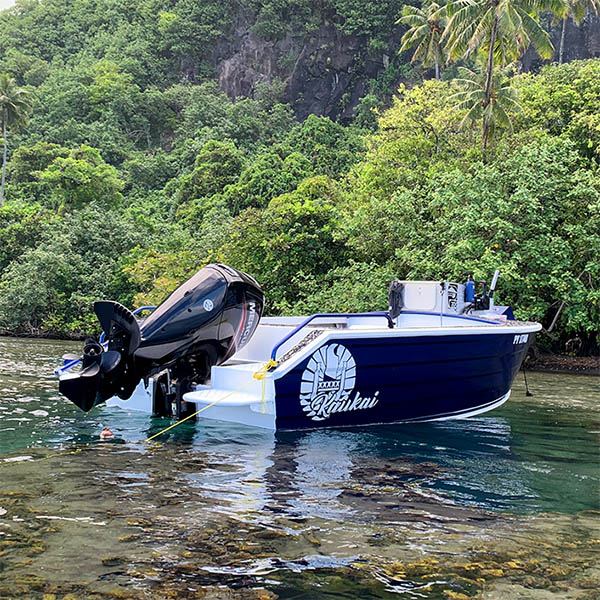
[[446, 298]]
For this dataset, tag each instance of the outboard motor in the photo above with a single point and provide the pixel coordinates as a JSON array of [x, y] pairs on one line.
[[201, 324]]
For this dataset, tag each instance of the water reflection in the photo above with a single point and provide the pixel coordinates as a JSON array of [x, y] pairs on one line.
[[322, 513], [531, 455]]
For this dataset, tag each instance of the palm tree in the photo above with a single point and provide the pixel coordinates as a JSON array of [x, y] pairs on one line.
[[426, 29], [501, 28], [15, 104], [493, 109], [577, 10]]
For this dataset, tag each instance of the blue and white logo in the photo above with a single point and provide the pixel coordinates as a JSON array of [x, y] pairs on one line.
[[328, 382]]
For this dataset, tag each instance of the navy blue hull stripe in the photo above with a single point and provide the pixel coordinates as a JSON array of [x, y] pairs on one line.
[[396, 380], [447, 415]]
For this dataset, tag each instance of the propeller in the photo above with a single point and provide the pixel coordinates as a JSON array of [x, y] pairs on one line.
[[105, 373], [89, 387]]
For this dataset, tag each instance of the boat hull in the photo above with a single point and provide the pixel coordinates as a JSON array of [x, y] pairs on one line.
[[361, 381], [359, 376]]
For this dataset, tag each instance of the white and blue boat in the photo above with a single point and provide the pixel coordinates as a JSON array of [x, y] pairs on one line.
[[438, 352]]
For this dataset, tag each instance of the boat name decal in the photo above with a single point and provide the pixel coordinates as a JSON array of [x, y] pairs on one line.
[[328, 383], [521, 339]]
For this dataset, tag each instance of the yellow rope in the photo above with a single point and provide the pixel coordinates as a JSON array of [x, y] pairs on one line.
[[263, 403], [260, 374]]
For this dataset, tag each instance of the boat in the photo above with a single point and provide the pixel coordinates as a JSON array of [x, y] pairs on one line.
[[440, 351]]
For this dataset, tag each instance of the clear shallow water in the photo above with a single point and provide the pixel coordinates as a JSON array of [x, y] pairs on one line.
[[504, 505]]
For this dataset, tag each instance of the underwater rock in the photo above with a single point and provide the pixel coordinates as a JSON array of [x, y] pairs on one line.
[[132, 537], [270, 534], [113, 561], [455, 595]]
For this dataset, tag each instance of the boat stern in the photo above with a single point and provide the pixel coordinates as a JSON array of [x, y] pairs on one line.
[[237, 393]]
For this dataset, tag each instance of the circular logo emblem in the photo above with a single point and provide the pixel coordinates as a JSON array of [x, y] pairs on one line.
[[327, 382], [208, 305]]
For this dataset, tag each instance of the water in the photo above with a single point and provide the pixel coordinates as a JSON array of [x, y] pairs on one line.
[[504, 505]]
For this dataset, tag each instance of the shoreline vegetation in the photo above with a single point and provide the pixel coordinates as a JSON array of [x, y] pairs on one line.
[[128, 168]]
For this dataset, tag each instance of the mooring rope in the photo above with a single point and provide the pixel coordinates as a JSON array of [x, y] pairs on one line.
[[260, 375]]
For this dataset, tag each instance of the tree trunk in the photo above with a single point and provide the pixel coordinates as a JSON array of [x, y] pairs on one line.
[[562, 40], [437, 69], [3, 162], [488, 81], [486, 133]]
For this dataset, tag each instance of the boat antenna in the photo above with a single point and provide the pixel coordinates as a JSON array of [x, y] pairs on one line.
[[493, 288]]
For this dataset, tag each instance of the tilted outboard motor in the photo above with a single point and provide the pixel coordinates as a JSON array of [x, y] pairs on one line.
[[201, 324]]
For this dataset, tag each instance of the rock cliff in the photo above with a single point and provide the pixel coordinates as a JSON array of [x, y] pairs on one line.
[[324, 72], [327, 71]]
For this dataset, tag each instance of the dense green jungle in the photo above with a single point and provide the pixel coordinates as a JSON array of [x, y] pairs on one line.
[[324, 147]]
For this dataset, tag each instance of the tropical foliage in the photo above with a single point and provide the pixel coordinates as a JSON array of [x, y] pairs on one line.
[[495, 33], [425, 33], [134, 169], [493, 111], [501, 30], [14, 107]]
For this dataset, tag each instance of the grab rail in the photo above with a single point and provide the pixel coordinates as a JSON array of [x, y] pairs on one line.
[[73, 363], [320, 315]]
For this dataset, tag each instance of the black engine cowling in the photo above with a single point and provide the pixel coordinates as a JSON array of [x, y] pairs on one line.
[[201, 324]]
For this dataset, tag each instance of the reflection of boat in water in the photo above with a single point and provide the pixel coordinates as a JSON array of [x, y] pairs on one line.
[[372, 472], [439, 352]]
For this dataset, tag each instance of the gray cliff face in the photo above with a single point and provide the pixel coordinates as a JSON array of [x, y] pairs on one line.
[[248, 60], [326, 72], [581, 41]]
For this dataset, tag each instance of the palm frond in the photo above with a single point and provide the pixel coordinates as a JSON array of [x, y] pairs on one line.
[[502, 118], [458, 43], [472, 115], [482, 35], [412, 37], [15, 102], [537, 35], [578, 12], [425, 25], [408, 9], [420, 51], [413, 20], [458, 5]]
